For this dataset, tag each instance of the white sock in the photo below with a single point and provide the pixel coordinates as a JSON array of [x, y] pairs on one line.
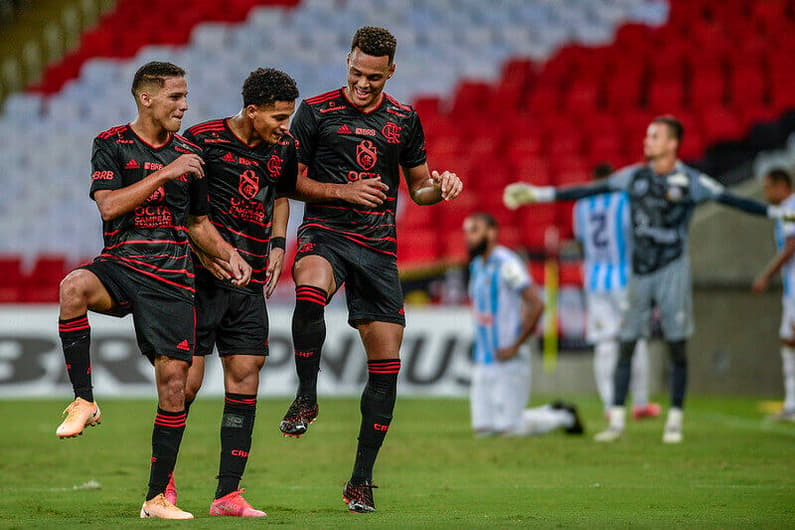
[[605, 356], [617, 418], [788, 368], [674, 421], [540, 420], [640, 374]]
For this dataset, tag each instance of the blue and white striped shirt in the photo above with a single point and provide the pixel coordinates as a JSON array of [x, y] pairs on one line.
[[785, 231], [495, 289], [602, 224]]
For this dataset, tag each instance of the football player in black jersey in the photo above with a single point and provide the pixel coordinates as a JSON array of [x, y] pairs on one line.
[[353, 143], [250, 166], [148, 184]]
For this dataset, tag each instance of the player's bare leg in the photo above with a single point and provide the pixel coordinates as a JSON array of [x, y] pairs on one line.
[[171, 376], [382, 343], [314, 282], [241, 383], [80, 291], [192, 386]]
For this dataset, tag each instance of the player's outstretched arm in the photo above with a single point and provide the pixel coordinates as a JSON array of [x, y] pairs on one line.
[[754, 207], [281, 214], [712, 189], [204, 235], [763, 280], [426, 187], [521, 193], [364, 192], [113, 203]]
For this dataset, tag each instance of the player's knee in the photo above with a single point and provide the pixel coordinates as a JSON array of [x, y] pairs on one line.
[[73, 289], [192, 389], [241, 375]]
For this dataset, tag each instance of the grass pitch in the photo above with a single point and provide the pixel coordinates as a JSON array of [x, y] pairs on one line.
[[734, 470]]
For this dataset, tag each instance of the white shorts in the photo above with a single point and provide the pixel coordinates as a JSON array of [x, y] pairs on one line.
[[499, 394], [604, 315], [786, 331]]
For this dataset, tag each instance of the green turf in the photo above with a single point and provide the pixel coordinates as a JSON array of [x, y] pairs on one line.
[[734, 470]]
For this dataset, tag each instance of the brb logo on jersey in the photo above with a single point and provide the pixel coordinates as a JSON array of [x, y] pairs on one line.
[[249, 184], [274, 166], [366, 155], [391, 132]]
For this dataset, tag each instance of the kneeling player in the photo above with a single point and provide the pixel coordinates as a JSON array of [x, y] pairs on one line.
[[251, 160], [147, 183], [507, 309]]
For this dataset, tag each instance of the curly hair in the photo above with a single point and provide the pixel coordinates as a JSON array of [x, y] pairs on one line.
[[375, 41], [155, 72], [266, 86]]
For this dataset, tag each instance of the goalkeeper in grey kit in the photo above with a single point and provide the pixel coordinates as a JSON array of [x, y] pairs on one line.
[[663, 193]]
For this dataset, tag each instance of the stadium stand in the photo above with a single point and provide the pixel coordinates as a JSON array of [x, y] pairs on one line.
[[538, 91]]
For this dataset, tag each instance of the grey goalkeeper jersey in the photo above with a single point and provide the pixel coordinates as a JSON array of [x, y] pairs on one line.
[[661, 208]]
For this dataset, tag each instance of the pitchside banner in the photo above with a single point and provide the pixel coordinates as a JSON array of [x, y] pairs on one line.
[[436, 355]]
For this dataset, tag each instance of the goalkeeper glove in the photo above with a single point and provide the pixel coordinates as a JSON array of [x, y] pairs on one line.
[[519, 193]]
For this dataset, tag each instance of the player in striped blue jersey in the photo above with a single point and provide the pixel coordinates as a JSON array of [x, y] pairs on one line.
[[602, 225], [778, 190], [507, 309]]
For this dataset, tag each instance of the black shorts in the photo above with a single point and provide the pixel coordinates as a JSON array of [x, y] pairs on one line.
[[236, 320], [372, 286], [165, 324]]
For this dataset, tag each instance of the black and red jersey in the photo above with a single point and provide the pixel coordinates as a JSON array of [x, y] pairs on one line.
[[243, 181], [339, 144], [152, 239]]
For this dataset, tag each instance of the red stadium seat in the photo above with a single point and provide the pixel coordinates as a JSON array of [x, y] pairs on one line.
[[707, 88], [43, 282], [747, 86], [419, 247], [11, 279], [720, 124]]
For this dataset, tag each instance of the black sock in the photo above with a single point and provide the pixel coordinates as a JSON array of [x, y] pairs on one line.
[[678, 382], [309, 333], [378, 402], [166, 437], [623, 372], [76, 341], [236, 427]]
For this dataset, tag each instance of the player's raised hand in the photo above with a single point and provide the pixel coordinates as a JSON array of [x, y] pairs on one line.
[[240, 270], [517, 194], [367, 192], [448, 183], [274, 270], [188, 163]]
